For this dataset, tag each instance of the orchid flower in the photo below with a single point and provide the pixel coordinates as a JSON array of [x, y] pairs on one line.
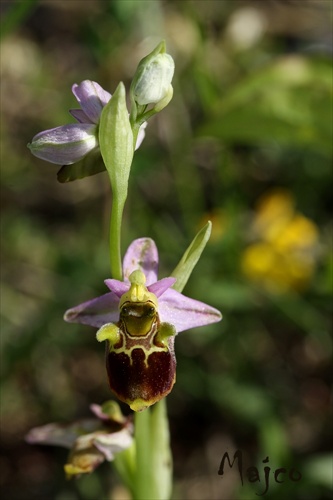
[[91, 441], [69, 144], [139, 319]]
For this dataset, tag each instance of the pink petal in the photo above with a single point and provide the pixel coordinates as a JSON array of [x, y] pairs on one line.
[[161, 286], [61, 435], [66, 144], [98, 412], [92, 98], [117, 287], [80, 115], [185, 313], [96, 312], [110, 412], [142, 254], [110, 444]]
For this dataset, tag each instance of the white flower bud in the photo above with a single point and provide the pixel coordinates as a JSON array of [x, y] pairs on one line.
[[153, 77]]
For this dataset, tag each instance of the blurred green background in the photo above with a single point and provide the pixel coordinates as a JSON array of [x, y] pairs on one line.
[[247, 143]]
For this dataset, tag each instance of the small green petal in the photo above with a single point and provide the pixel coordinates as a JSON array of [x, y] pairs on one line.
[[166, 330], [109, 332]]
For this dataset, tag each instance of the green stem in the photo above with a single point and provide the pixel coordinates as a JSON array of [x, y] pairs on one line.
[[144, 471], [124, 463], [161, 458], [136, 124], [115, 236], [153, 457], [135, 130]]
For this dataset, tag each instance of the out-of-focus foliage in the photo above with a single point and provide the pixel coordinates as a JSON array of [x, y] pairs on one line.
[[287, 102], [246, 142]]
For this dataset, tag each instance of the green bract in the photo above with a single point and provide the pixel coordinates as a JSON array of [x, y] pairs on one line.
[[116, 141], [191, 256]]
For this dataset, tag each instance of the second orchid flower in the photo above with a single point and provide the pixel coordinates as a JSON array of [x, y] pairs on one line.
[[139, 319]]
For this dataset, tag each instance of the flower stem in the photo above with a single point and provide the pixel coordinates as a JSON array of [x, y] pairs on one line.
[[143, 457], [153, 457], [160, 448], [135, 130], [115, 236], [124, 463]]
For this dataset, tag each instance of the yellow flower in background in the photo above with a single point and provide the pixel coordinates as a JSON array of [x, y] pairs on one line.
[[300, 233], [272, 214], [284, 254]]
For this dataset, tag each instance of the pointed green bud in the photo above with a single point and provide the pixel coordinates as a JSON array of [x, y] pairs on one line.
[[152, 80], [187, 263], [116, 141]]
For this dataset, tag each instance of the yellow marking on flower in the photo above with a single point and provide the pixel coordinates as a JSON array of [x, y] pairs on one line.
[[158, 334], [139, 404], [139, 326], [139, 357], [109, 332], [147, 352], [138, 292]]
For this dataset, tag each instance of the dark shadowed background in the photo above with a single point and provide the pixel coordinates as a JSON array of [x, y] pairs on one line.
[[247, 143]]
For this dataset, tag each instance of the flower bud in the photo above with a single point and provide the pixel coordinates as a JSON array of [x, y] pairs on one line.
[[66, 144], [152, 80]]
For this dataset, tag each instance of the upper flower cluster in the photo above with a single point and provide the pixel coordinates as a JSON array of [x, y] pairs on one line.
[[69, 144]]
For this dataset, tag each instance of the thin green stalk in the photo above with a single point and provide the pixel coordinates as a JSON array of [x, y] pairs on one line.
[[144, 466], [153, 455], [161, 454], [124, 463], [136, 124], [135, 130], [115, 237]]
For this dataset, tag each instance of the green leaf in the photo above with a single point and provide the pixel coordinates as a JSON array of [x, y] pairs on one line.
[[90, 165], [187, 263], [318, 469], [288, 103]]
